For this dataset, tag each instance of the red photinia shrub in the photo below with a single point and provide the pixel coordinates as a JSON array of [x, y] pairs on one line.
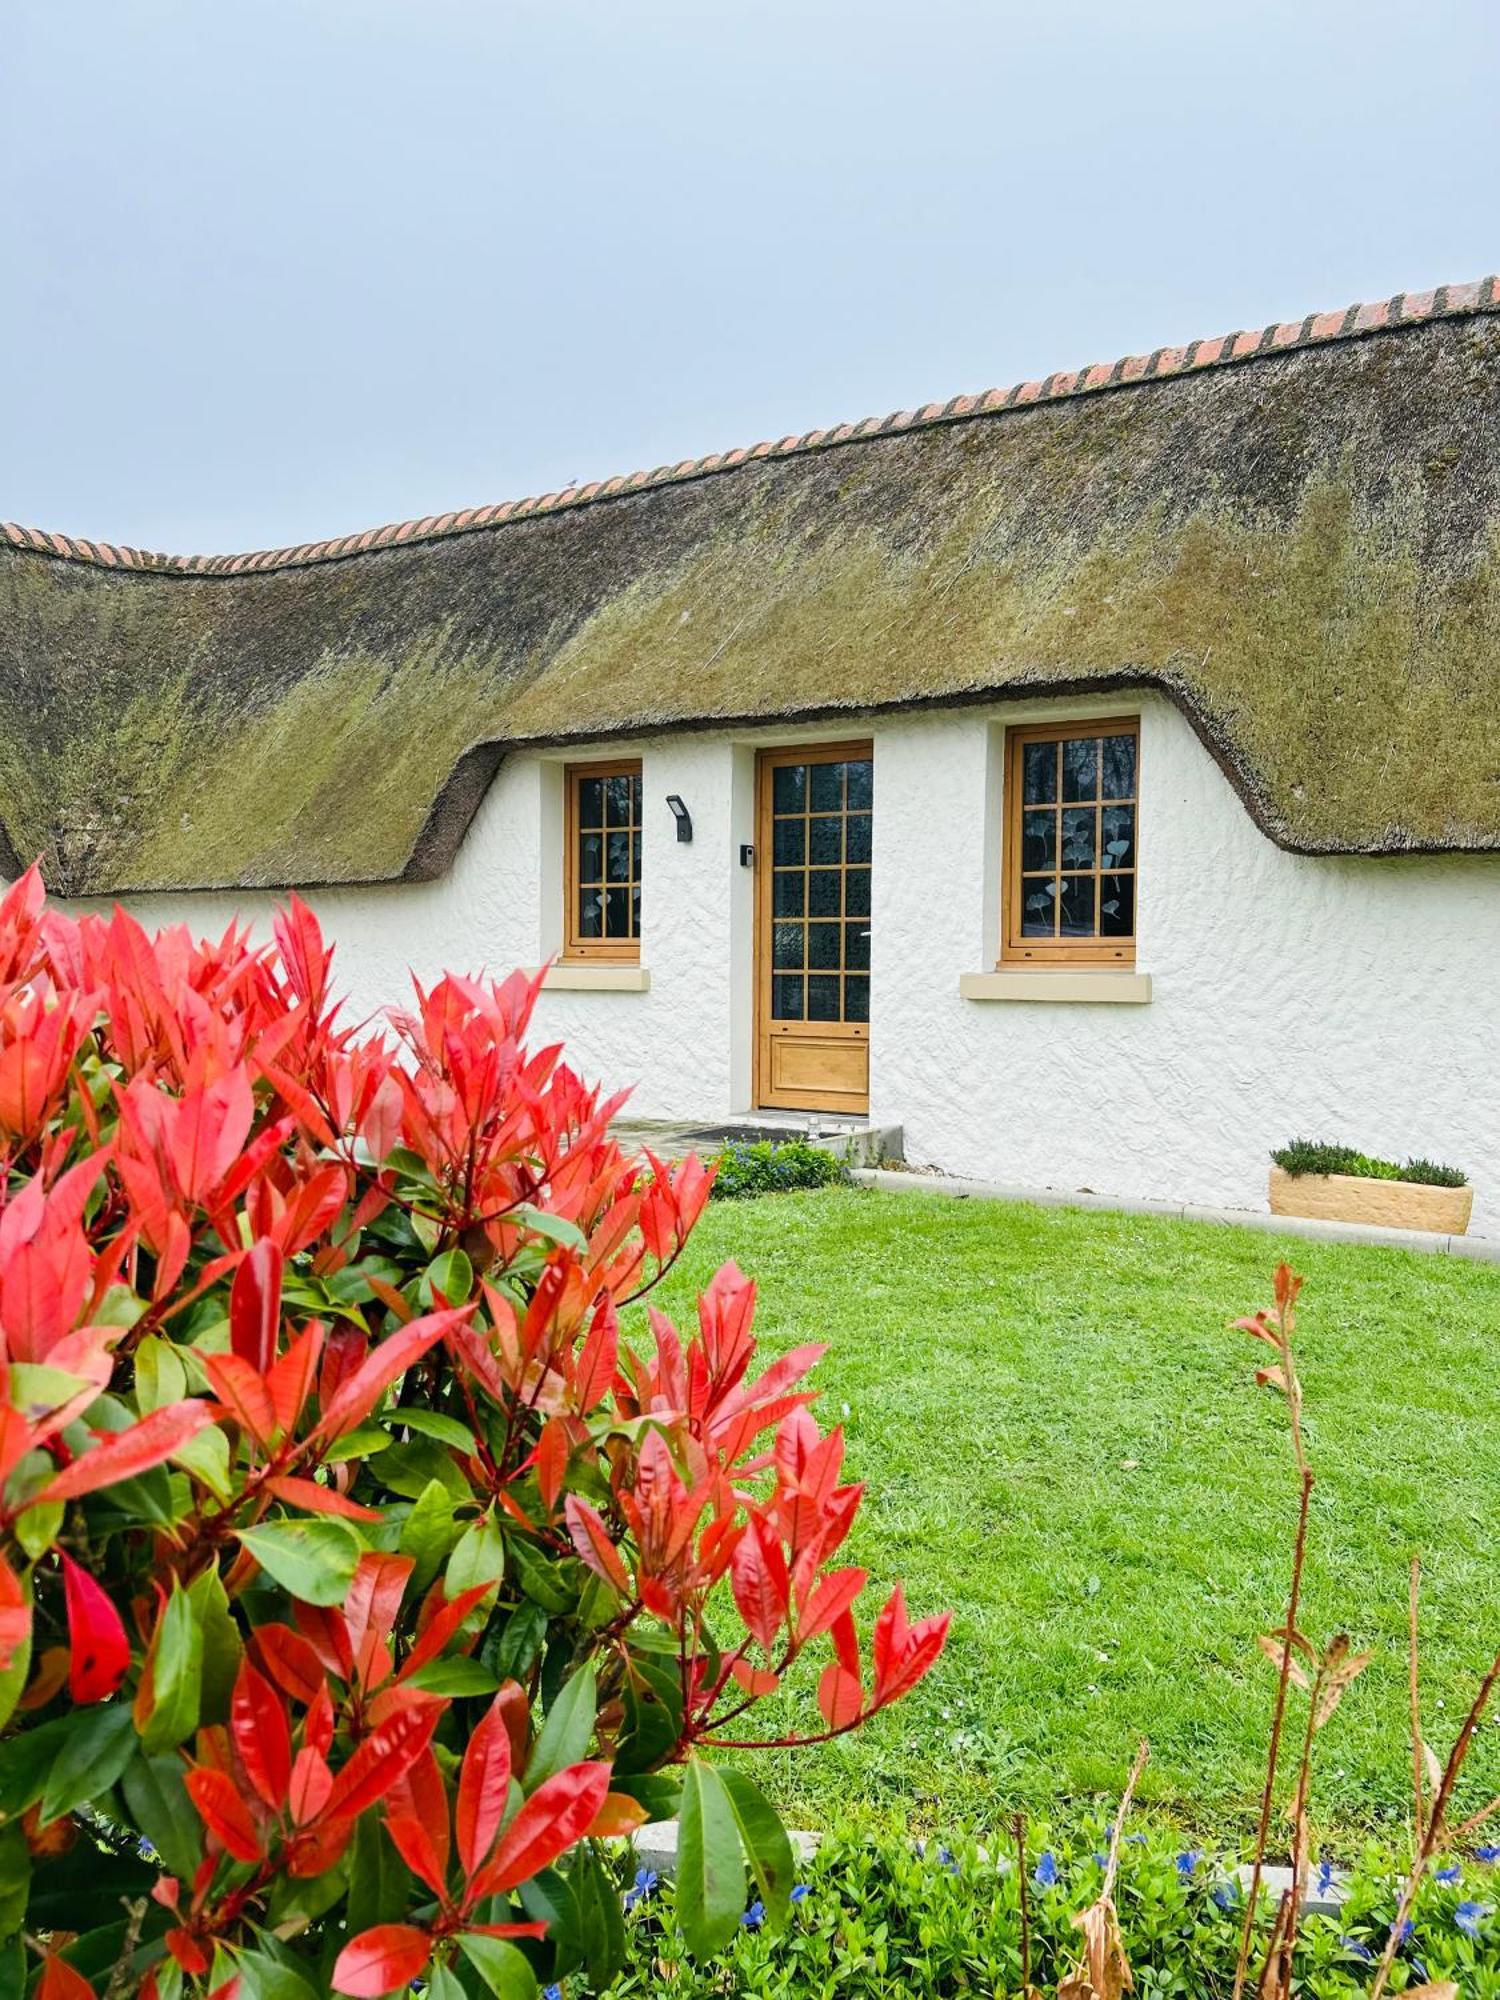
[[355, 1581]]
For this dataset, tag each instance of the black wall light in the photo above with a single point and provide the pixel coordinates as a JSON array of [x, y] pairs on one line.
[[682, 816]]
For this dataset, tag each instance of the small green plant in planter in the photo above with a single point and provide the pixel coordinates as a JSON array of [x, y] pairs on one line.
[[1310, 1156], [770, 1166]]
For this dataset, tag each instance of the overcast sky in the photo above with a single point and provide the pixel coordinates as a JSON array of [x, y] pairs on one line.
[[280, 269]]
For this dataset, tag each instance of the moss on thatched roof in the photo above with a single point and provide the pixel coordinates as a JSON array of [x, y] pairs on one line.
[[1302, 549]]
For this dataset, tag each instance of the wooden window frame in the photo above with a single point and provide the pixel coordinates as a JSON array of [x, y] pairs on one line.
[[1016, 949], [578, 950]]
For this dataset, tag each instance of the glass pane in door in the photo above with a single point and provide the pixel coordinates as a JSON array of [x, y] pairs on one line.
[[820, 890]]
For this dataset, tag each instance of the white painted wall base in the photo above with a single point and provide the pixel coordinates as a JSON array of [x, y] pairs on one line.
[[1289, 996]]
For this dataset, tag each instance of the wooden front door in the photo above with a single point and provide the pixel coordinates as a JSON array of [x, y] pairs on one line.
[[812, 927]]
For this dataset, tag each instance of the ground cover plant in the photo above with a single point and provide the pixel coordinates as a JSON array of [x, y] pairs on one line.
[[891, 1919], [774, 1166], [1058, 1389], [1312, 1156], [356, 1579]]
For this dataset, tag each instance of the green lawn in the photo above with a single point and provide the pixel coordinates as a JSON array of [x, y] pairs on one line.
[[1063, 1442]]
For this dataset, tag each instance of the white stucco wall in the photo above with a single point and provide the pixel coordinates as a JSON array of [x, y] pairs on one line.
[[1291, 996]]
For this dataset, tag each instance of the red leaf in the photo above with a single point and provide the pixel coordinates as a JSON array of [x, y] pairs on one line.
[[59, 1981], [380, 1960], [122, 1454], [552, 1461], [262, 1735], [840, 1696], [597, 1358], [99, 1651], [224, 1813], [755, 1681], [592, 1540], [290, 1379], [15, 1615], [243, 1393], [289, 1660], [556, 1816], [483, 1788], [311, 1782], [891, 1635], [386, 1752], [834, 1595], [759, 1579], [255, 1306], [441, 1627], [414, 1844], [316, 1499], [924, 1644], [619, 1817], [400, 1350]]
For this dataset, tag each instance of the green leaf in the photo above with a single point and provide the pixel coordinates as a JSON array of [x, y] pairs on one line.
[[710, 1865], [652, 1697], [765, 1842], [501, 1967], [410, 1468], [543, 1579], [265, 1978], [479, 1557], [435, 1424], [660, 1792], [362, 1442], [451, 1274], [380, 1883], [429, 1533], [567, 1732], [36, 1529], [206, 1457], [176, 1675], [454, 1677], [15, 1878], [601, 1918], [160, 1377], [163, 1812], [444, 1985], [13, 1680], [94, 1752], [312, 1560], [554, 1227], [222, 1645], [512, 1651]]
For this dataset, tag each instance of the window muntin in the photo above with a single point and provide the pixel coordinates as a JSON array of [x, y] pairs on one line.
[[1072, 794], [602, 868], [821, 817]]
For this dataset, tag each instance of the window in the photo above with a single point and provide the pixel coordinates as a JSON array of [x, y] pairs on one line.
[[602, 863], [1070, 863]]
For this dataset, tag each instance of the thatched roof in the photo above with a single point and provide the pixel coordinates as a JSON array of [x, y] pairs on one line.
[[1292, 533]]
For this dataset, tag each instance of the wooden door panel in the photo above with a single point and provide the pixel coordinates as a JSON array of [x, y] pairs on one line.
[[814, 817]]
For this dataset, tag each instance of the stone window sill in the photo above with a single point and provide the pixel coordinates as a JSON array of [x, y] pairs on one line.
[[1080, 987], [577, 978]]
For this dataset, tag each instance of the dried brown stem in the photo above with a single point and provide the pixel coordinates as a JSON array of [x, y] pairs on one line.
[[1018, 1827], [1413, 1672], [1278, 1718], [1112, 1866], [1433, 1838]]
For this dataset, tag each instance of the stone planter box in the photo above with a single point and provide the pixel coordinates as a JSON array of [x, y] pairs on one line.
[[1442, 1211]]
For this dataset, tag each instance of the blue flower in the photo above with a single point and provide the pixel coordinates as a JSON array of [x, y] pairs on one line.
[[1225, 1894], [646, 1880], [1045, 1876], [801, 1891], [1188, 1861], [1469, 1916], [1101, 1860], [1325, 1877], [1488, 1853], [755, 1916], [947, 1859], [1449, 1874], [551, 1993], [1405, 1932], [1357, 1950]]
